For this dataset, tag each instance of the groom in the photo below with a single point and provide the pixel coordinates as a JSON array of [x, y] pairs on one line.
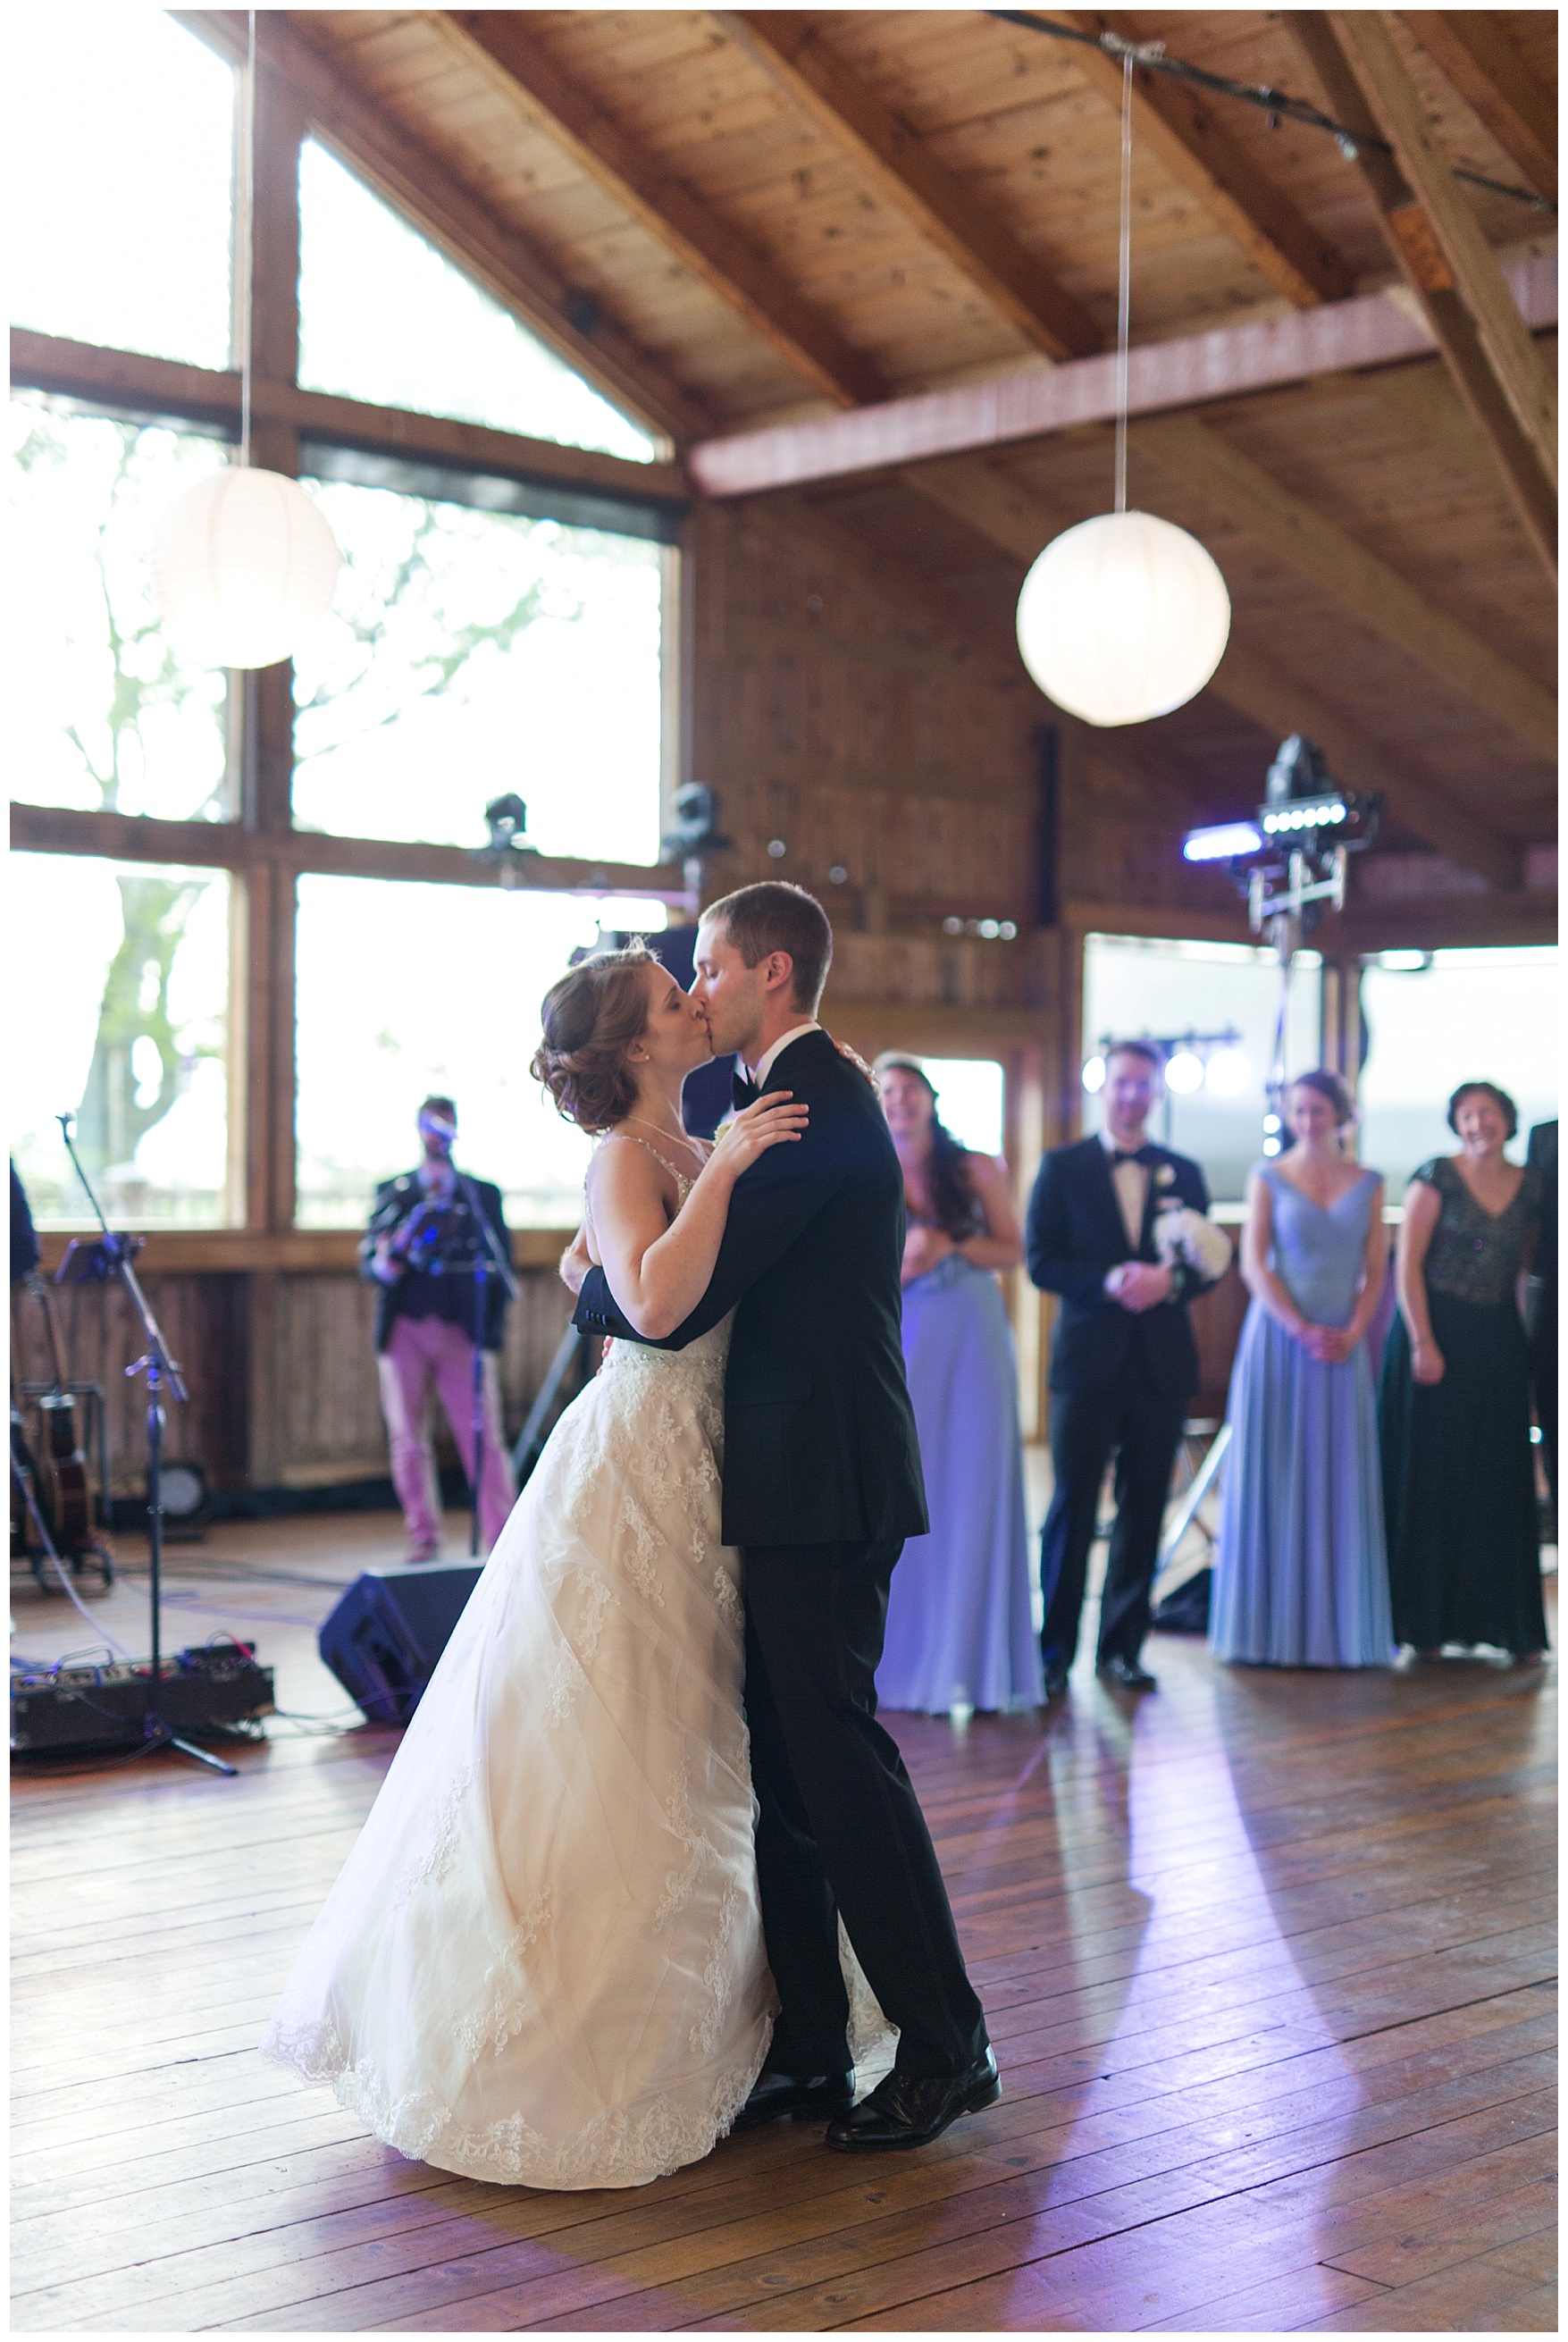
[[822, 1486]]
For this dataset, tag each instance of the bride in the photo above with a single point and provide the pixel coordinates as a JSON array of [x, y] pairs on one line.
[[543, 1961]]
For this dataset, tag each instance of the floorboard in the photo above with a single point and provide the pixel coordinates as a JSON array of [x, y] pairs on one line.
[[1268, 1958]]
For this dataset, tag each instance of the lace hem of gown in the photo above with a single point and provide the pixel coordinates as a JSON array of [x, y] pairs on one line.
[[617, 2149]]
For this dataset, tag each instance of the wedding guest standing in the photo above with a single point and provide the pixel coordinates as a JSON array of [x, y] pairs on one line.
[[1124, 1364], [1458, 1477], [959, 1633], [1301, 1572], [1543, 1154]]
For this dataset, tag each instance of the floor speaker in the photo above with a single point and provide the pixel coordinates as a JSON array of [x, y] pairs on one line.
[[382, 1640]]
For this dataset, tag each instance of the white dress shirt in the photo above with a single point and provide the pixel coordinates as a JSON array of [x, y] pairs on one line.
[[1131, 1181], [765, 1062]]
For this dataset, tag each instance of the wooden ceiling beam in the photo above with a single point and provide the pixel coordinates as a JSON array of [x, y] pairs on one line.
[[1360, 583], [1472, 50], [1176, 122], [411, 176], [1413, 240], [500, 43], [1376, 329], [790, 49], [1022, 522], [1471, 266]]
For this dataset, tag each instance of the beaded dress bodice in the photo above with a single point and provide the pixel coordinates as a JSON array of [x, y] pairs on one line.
[[1476, 1254]]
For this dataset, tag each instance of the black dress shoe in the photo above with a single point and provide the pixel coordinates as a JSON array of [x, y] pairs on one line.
[[912, 2109], [1126, 1674], [775, 2097]]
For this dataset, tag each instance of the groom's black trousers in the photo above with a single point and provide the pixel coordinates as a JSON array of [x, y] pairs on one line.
[[839, 1827]]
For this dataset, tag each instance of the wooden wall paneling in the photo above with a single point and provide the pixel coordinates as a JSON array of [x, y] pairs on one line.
[[1363, 36], [1413, 240]]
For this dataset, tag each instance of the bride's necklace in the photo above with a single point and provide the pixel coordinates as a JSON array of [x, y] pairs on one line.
[[677, 1138]]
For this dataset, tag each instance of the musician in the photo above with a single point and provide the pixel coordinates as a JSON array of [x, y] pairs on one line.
[[420, 1250]]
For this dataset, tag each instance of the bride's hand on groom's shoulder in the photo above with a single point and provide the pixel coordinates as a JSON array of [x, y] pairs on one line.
[[775, 1120]]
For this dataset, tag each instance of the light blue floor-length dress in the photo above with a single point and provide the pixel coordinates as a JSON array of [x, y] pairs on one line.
[[1301, 1568], [959, 1632]]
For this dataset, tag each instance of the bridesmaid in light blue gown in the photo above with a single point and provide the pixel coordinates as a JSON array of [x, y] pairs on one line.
[[959, 1630], [1301, 1568]]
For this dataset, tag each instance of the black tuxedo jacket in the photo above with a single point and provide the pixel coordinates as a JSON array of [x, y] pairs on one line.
[[819, 1444], [419, 1293], [1074, 1234]]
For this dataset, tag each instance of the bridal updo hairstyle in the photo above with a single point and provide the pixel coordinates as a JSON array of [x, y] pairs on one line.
[[591, 1017]]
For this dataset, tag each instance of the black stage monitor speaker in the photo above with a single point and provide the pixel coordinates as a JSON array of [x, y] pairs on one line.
[[382, 1640]]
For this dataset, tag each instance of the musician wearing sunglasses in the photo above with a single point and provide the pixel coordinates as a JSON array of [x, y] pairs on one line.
[[420, 1250]]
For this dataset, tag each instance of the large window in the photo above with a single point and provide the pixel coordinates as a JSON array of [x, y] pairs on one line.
[[1436, 1019], [1223, 1001], [105, 714], [365, 274], [468, 652], [120, 993], [492, 634], [120, 138], [411, 989]]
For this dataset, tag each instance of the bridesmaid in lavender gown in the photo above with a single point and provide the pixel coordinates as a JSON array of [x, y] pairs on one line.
[[1301, 1570], [959, 1632]]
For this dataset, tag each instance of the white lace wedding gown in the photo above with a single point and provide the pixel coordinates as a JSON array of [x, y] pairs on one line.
[[543, 1961]]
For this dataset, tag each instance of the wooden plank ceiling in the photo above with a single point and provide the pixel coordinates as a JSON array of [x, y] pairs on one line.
[[782, 216]]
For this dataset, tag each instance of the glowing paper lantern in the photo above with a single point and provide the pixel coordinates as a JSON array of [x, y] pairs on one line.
[[1122, 618], [242, 567]]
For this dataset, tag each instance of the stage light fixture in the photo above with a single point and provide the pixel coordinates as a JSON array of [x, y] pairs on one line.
[[1220, 841], [1095, 1076], [1314, 813], [1184, 1073], [1228, 1073]]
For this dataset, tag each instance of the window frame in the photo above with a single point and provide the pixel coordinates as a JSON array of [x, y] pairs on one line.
[[259, 846]]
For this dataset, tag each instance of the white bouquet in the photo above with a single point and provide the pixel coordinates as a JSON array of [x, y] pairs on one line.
[[1182, 1233]]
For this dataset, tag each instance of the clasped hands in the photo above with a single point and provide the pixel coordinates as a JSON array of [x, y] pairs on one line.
[[1136, 1285]]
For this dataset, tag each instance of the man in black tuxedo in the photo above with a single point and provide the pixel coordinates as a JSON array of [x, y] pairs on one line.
[[1543, 1153], [1124, 1364], [821, 1485]]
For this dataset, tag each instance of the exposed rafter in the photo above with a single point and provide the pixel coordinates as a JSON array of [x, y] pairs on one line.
[[501, 43], [1295, 532], [1472, 48], [790, 48], [1022, 522], [1194, 369], [508, 263], [1414, 241], [1176, 122], [1363, 35]]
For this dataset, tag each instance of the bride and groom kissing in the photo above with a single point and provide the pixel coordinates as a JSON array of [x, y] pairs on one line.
[[645, 1868]]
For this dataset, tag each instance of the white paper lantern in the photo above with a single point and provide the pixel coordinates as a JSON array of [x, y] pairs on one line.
[[243, 566], [1122, 618]]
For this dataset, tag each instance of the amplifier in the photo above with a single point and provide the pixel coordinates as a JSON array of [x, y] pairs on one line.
[[383, 1638], [200, 1691]]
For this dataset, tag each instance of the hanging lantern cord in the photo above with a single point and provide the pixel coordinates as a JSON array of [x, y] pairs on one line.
[[1124, 285], [249, 233]]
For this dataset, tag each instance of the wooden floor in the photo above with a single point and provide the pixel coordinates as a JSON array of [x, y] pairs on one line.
[[1267, 1960]]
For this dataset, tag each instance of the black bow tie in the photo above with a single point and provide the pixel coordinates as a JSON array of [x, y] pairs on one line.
[[744, 1091], [1138, 1155]]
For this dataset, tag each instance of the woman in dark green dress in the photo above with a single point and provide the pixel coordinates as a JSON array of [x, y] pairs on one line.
[[1458, 1476]]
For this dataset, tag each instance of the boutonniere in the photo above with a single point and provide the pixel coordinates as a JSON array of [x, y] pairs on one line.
[[1164, 1176]]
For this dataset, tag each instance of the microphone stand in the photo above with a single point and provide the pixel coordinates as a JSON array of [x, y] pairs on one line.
[[488, 1260], [159, 1367]]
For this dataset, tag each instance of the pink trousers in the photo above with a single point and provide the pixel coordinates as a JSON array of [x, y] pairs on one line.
[[425, 1355]]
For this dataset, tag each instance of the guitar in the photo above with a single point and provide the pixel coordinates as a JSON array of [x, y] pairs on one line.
[[63, 1476]]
